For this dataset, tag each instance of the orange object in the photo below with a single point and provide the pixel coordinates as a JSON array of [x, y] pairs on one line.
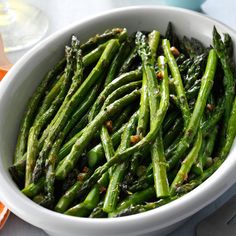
[[3, 72], [4, 213], [5, 64]]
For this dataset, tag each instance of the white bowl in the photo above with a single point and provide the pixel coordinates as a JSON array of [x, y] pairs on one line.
[[24, 77]]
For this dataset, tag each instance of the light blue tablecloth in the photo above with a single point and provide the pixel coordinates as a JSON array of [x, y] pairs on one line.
[[76, 10]]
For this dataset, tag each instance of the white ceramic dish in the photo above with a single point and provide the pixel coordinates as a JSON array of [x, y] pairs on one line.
[[22, 80]]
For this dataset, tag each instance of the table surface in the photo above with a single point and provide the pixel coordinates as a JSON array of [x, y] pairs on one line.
[[223, 11]]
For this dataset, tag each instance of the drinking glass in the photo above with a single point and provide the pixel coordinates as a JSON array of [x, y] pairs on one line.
[[21, 25]]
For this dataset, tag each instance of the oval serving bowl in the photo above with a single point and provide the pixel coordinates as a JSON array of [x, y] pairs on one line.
[[26, 74]]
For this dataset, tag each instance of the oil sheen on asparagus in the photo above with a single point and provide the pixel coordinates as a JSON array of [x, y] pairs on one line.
[[126, 122]]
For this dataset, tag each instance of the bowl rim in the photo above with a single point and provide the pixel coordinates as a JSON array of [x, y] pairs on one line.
[[188, 206]]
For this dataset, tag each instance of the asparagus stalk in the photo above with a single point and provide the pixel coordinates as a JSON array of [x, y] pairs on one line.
[[106, 143], [117, 176], [157, 151], [17, 172], [229, 81], [194, 123], [32, 107], [104, 135], [153, 41], [33, 147], [144, 109], [214, 118], [186, 165], [115, 33], [209, 147], [178, 81], [230, 134], [50, 96], [133, 200]]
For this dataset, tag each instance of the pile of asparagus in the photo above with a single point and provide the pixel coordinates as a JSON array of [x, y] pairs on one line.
[[124, 124]]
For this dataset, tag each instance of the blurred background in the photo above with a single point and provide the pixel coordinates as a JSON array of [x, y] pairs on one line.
[[62, 13]]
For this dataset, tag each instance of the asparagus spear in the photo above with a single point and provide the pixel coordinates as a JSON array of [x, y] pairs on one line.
[[32, 107], [33, 147], [157, 150], [229, 82], [153, 41], [186, 165], [84, 106], [208, 149], [215, 117], [121, 91], [104, 135], [194, 123], [106, 143], [133, 200], [230, 134], [115, 33], [178, 81], [142, 183], [171, 35], [50, 96], [144, 109], [117, 176], [54, 156]]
